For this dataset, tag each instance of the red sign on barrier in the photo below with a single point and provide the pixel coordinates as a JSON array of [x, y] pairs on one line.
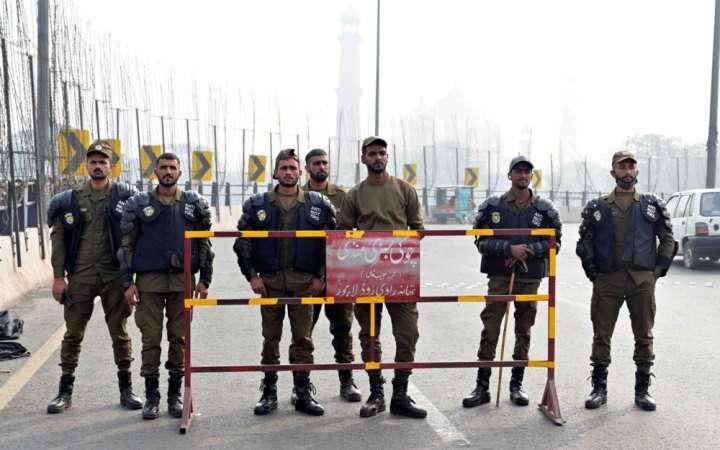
[[373, 265]]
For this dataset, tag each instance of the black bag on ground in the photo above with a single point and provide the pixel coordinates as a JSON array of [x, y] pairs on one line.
[[10, 327]]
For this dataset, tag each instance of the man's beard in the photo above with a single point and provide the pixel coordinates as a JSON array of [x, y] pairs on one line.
[[625, 184], [167, 183], [97, 175], [319, 177], [376, 168]]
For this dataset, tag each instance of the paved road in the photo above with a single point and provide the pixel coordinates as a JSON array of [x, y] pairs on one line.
[[686, 344]]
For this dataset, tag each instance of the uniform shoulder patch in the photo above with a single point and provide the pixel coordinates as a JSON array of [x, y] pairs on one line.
[[59, 202]]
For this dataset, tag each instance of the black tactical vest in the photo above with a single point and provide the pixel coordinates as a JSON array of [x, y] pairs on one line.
[[640, 242], [309, 253], [160, 243], [65, 206], [498, 215]]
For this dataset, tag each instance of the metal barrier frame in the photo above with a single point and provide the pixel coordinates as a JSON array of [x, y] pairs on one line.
[[549, 404]]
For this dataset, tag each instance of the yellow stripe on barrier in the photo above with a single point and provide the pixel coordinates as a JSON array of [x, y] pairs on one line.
[[543, 232], [190, 302], [481, 232], [254, 234], [310, 233], [376, 299], [553, 262], [471, 298], [551, 323], [532, 298], [354, 234], [546, 364], [372, 366], [263, 301], [401, 233], [314, 300], [372, 319], [199, 234]]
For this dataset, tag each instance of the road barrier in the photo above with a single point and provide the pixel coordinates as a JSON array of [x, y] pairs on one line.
[[549, 404]]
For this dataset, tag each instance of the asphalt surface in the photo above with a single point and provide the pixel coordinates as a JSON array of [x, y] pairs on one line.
[[686, 337]]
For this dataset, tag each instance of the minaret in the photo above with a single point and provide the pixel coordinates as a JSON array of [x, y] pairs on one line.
[[348, 94]]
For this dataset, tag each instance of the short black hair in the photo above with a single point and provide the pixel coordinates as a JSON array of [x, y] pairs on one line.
[[314, 152], [167, 156]]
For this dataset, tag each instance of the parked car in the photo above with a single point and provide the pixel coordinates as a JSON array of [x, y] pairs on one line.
[[696, 224]]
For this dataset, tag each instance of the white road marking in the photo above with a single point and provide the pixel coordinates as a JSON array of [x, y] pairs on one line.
[[18, 380], [440, 424]]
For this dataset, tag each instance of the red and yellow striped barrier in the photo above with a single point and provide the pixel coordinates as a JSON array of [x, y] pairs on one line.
[[549, 405]]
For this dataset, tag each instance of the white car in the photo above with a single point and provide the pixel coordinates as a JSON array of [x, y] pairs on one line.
[[696, 224]]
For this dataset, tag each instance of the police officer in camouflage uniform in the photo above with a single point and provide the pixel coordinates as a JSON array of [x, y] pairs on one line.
[[340, 316], [619, 251], [153, 225], [382, 202], [519, 207], [286, 267], [85, 236]]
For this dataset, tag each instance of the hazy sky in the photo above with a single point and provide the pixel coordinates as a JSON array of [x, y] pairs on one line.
[[633, 66]]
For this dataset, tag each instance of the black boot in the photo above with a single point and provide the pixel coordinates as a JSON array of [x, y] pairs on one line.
[[305, 401], [376, 401], [401, 403], [517, 393], [642, 383], [481, 394], [128, 399], [174, 400], [151, 410], [64, 398], [268, 401], [598, 396], [348, 390]]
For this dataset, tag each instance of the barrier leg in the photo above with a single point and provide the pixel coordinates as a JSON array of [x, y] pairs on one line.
[[187, 395], [550, 405], [187, 322]]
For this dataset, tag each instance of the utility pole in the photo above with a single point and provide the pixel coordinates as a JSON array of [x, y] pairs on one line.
[[712, 132], [377, 74], [425, 189], [43, 101], [217, 175], [80, 107], [649, 172], [395, 160], [162, 131], [117, 123], [189, 150], [242, 173], [97, 119], [12, 197], [38, 165], [137, 124]]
